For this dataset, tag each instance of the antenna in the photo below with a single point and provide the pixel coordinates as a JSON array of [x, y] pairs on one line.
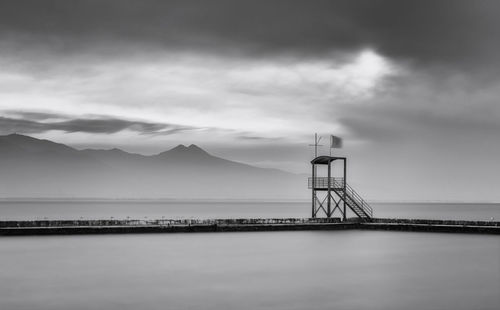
[[316, 144]]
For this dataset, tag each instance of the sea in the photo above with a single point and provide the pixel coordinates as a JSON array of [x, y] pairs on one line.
[[247, 270], [39, 209]]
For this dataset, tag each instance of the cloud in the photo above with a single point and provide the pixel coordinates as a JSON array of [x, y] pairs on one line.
[[461, 34], [428, 110], [33, 115], [35, 122], [257, 138], [201, 92]]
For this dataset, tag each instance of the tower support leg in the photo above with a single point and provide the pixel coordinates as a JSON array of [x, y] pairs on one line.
[[313, 211], [329, 207]]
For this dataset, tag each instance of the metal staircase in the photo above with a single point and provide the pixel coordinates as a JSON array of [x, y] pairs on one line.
[[351, 198], [354, 201]]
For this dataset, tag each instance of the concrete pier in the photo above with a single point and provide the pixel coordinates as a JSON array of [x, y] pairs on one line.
[[447, 226], [47, 227]]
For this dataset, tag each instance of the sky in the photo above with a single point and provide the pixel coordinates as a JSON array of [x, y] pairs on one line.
[[411, 86]]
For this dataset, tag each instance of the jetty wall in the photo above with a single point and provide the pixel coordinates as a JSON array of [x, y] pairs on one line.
[[425, 225], [47, 227]]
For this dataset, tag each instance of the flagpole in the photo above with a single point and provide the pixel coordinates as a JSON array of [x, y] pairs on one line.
[[315, 145]]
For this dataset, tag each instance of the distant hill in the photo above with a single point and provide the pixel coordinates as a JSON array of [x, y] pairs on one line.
[[32, 167]]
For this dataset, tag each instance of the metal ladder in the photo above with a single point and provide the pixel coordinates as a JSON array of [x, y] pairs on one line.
[[352, 199]]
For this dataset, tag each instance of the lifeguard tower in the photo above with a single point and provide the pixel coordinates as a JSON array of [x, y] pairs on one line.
[[333, 191]]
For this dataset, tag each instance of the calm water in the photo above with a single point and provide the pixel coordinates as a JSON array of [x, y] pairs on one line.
[[262, 270], [76, 209]]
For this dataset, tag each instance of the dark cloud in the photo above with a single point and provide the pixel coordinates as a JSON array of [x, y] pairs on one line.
[[32, 123], [33, 115], [425, 110], [457, 33], [11, 125]]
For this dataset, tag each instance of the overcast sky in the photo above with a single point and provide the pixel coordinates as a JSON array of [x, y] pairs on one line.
[[411, 86]]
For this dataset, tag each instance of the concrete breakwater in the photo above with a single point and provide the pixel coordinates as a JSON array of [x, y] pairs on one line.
[[424, 225], [67, 227], [61, 227]]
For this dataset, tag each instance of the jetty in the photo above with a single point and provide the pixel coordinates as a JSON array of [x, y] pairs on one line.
[[67, 227]]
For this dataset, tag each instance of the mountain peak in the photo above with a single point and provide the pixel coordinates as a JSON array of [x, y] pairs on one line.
[[179, 147], [31, 144], [191, 152], [19, 136], [16, 137], [195, 148]]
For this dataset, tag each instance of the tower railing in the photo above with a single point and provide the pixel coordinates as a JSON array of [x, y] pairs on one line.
[[322, 182]]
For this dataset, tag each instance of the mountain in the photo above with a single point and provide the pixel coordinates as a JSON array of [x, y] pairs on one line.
[[31, 167], [19, 145]]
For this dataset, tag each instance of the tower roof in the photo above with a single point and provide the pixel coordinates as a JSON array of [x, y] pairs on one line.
[[325, 160]]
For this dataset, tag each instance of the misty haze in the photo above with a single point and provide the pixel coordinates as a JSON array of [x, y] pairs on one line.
[[44, 169]]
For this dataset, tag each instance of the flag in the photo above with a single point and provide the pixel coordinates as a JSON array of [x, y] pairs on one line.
[[335, 142]]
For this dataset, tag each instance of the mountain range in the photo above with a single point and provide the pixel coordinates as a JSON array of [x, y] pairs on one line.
[[35, 168]]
